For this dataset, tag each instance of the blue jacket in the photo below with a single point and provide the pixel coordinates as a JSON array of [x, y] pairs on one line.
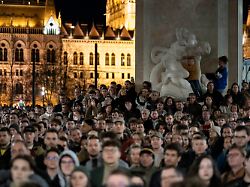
[[220, 83]]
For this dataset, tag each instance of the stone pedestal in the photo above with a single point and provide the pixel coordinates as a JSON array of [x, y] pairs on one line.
[[217, 22]]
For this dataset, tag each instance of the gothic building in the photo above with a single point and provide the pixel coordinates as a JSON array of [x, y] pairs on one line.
[[31, 32]]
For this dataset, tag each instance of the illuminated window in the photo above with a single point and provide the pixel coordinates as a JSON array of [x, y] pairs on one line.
[[65, 58], [75, 75], [107, 75], [35, 56], [113, 59], [5, 72], [17, 73], [91, 75], [128, 75], [123, 76], [113, 75], [98, 59], [21, 72], [81, 59], [3, 53], [19, 53], [122, 59], [91, 59], [51, 55], [128, 60], [75, 58], [107, 59], [81, 75]]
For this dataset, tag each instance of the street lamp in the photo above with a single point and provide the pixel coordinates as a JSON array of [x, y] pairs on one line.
[[43, 93]]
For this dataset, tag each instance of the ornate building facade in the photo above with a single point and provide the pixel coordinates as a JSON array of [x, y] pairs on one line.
[[31, 32]]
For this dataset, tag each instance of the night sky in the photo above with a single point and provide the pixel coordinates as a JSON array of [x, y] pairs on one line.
[[89, 11]]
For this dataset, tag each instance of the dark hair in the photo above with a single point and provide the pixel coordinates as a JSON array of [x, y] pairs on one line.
[[52, 150], [194, 170], [108, 134], [111, 143], [27, 158], [51, 130], [5, 129], [223, 59], [57, 121], [242, 128], [44, 124], [176, 147]]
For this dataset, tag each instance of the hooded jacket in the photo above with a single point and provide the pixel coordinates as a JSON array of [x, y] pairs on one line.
[[62, 179]]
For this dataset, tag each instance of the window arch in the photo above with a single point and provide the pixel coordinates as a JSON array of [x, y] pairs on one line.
[[35, 56], [128, 59], [107, 59], [65, 58], [3, 52], [98, 59], [113, 59], [81, 59], [122, 59], [91, 59], [75, 58], [19, 53], [51, 54], [81, 75]]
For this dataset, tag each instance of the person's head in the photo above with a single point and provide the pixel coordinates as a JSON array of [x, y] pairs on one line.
[[145, 114], [119, 126], [4, 137], [210, 86], [241, 136], [111, 152], [192, 129], [235, 88], [156, 140], [170, 175], [177, 138], [154, 114], [19, 148], [137, 138], [21, 168], [146, 157], [51, 138], [118, 178], [223, 61], [93, 146], [67, 162], [169, 119], [205, 168], [236, 156], [62, 98], [132, 122], [75, 135], [56, 123], [179, 105], [51, 159], [70, 124], [199, 144], [13, 118], [226, 131], [172, 154], [101, 124], [79, 177], [134, 154], [192, 98], [29, 135], [247, 163], [206, 115], [140, 127]]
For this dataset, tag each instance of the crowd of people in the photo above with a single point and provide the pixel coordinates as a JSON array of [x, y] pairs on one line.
[[116, 137]]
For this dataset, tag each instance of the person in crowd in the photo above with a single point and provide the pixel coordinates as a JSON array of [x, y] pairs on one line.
[[5, 147], [169, 176], [213, 93], [118, 178], [156, 144], [205, 168], [134, 155], [79, 177], [221, 75]]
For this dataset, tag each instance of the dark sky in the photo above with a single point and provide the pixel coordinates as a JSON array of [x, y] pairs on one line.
[[84, 11], [89, 11]]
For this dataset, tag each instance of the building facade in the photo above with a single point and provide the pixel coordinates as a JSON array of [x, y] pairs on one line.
[[31, 32]]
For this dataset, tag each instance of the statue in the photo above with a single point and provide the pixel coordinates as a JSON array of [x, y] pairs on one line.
[[168, 76]]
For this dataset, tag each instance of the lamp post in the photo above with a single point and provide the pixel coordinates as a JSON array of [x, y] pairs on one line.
[[33, 80], [43, 93]]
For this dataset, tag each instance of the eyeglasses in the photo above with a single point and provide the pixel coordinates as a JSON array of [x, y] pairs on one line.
[[52, 157]]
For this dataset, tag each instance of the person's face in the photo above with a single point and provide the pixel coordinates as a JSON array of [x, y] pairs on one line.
[[209, 101], [221, 121], [77, 93], [51, 160], [76, 135], [169, 119], [78, 179], [210, 86], [206, 169], [144, 114], [49, 109], [18, 149], [206, 115], [51, 139], [199, 146], [111, 155], [67, 165], [144, 92], [160, 106], [119, 127], [136, 138], [169, 176], [93, 147], [192, 99], [4, 138], [168, 138], [227, 143], [62, 99], [227, 132], [171, 158], [132, 126], [177, 138], [247, 166], [70, 125], [117, 180], [29, 137], [241, 138], [101, 124], [127, 85], [20, 171], [154, 115], [192, 130], [140, 128], [135, 156], [55, 126], [13, 119], [235, 158], [146, 160], [115, 115], [154, 96], [235, 88], [179, 106], [156, 142], [212, 133]]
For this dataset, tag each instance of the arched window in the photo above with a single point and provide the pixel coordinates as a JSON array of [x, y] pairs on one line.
[[107, 59], [81, 75], [19, 88], [81, 59], [91, 75], [75, 75], [65, 58], [3, 52], [91, 59], [51, 55], [113, 59], [75, 58], [122, 59], [19, 53], [128, 59], [35, 57]]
